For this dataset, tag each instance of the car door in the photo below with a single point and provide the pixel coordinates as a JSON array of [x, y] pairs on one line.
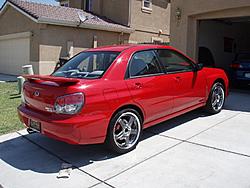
[[189, 85], [148, 86]]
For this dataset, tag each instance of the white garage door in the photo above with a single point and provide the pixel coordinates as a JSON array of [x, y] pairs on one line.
[[14, 53]]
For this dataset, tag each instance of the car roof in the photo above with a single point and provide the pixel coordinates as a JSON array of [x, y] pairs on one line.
[[120, 48]]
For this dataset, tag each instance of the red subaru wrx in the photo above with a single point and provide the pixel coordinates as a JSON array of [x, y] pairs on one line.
[[110, 94]]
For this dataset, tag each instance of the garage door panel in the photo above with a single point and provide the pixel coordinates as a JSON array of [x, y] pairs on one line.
[[14, 53]]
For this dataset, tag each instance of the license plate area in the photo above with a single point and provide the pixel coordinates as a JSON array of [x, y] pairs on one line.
[[247, 75], [35, 125]]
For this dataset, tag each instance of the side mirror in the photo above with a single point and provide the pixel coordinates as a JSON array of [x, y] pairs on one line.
[[199, 66]]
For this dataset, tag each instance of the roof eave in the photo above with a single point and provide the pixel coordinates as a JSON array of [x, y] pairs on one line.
[[50, 21], [8, 3], [83, 25]]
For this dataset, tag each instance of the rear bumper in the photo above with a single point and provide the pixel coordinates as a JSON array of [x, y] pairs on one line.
[[78, 129]]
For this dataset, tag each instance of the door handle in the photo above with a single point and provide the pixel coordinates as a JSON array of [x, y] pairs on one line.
[[138, 85]]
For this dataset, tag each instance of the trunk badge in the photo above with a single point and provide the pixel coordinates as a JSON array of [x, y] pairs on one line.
[[36, 94]]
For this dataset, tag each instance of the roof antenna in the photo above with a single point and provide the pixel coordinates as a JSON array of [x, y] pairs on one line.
[[82, 17]]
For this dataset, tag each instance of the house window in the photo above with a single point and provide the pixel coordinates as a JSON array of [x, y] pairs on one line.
[[88, 5], [147, 6], [64, 3]]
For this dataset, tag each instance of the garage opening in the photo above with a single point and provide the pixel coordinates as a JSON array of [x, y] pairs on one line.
[[220, 40]]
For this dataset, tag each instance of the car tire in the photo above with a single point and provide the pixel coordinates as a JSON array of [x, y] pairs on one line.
[[216, 99], [124, 131]]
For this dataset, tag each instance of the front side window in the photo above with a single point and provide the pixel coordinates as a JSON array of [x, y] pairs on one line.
[[174, 62], [144, 63], [87, 65]]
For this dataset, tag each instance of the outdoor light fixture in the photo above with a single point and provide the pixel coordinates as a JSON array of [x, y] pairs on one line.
[[178, 13]]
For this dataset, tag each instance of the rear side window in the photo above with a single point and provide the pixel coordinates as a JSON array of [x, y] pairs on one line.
[[174, 61], [144, 63]]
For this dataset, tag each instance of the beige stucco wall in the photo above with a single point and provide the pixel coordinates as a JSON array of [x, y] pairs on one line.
[[148, 24], [49, 42], [117, 10], [130, 13], [184, 32], [53, 43], [11, 21], [142, 36], [76, 4]]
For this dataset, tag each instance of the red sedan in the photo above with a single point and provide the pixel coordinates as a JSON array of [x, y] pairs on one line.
[[110, 94]]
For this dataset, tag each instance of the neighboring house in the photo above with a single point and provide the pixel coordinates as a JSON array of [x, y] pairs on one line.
[[220, 26], [39, 34], [149, 18]]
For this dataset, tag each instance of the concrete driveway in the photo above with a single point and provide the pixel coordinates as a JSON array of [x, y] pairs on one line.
[[193, 150]]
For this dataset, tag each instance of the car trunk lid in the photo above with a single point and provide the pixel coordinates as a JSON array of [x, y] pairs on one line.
[[41, 92]]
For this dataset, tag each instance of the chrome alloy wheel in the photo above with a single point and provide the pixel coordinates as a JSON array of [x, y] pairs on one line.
[[218, 98], [127, 130]]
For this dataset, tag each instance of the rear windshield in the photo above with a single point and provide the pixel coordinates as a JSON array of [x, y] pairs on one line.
[[89, 65]]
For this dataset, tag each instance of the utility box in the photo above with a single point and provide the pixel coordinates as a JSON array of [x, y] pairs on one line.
[[28, 69]]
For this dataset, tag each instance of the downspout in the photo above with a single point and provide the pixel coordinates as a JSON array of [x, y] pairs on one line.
[[121, 41], [129, 13]]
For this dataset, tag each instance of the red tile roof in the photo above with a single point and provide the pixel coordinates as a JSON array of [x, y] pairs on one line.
[[59, 14]]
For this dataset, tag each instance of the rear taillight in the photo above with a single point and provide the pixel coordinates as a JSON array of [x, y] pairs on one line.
[[236, 66], [69, 104]]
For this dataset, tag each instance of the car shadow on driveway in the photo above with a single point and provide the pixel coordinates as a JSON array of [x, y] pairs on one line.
[[38, 153], [44, 155]]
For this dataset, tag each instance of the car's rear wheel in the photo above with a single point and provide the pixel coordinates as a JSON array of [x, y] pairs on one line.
[[216, 99], [124, 131]]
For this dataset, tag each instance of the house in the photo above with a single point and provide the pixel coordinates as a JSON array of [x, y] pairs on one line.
[[220, 27], [150, 19], [39, 34]]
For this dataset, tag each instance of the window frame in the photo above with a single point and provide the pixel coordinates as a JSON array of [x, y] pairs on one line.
[[190, 61], [88, 5], [65, 2], [127, 74], [147, 9]]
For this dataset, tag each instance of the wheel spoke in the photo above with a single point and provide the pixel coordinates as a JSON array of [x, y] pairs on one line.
[[123, 124], [133, 131], [131, 121], [119, 136], [214, 102], [127, 140]]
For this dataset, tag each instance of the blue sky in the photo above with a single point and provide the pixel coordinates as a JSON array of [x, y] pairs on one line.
[[40, 1]]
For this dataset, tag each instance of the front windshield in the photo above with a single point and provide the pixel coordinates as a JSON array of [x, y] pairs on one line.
[[87, 65]]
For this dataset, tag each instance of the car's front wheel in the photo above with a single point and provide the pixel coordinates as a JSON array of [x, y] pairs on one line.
[[216, 98], [124, 131]]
